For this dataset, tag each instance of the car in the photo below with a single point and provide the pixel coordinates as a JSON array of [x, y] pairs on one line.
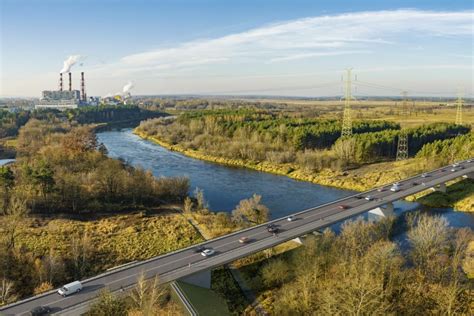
[[423, 184], [290, 218], [381, 189], [70, 288], [395, 188], [469, 160], [199, 249], [455, 165], [244, 240], [415, 183], [369, 198], [40, 311], [453, 170], [343, 207], [272, 228], [359, 197], [424, 175], [208, 252], [443, 170]]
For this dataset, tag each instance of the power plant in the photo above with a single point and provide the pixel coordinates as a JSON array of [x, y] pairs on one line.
[[66, 99]]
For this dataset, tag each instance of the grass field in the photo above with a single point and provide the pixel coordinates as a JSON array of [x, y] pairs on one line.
[[114, 239]]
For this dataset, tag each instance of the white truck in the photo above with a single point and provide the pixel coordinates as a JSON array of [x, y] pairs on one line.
[[70, 288]]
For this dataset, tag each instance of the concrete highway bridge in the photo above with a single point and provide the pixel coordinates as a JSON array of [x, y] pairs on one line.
[[189, 265]]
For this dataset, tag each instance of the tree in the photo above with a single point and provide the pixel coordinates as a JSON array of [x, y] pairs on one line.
[[7, 181], [107, 304], [148, 295], [275, 273], [6, 291], [251, 211], [428, 238], [188, 205], [201, 201]]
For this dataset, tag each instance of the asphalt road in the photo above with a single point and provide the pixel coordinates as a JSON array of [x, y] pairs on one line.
[[186, 261]]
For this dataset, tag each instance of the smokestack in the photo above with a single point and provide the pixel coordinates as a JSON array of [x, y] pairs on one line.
[[83, 87], [70, 82], [60, 82]]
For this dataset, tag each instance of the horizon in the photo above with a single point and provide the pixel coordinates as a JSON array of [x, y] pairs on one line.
[[203, 47]]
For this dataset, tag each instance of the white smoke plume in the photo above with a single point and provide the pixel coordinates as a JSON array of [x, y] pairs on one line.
[[127, 88], [69, 62]]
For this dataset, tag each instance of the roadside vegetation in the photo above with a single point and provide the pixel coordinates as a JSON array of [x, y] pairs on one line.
[[362, 271]]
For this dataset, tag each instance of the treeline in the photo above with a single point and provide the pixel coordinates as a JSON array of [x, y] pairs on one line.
[[10, 122], [62, 168], [448, 150], [310, 143], [110, 113], [370, 147], [362, 272]]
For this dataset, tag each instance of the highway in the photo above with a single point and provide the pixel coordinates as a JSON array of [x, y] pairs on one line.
[[185, 262]]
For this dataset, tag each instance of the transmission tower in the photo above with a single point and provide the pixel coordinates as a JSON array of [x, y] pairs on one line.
[[347, 116], [402, 148], [459, 104]]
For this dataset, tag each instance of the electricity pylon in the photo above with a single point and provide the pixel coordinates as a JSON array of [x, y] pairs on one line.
[[402, 148], [459, 104], [347, 116]]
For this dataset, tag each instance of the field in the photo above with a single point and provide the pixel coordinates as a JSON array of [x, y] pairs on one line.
[[114, 239]]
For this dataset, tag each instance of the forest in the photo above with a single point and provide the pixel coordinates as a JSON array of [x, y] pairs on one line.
[[310, 143]]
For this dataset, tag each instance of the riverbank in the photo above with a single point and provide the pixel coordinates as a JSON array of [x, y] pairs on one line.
[[361, 179]]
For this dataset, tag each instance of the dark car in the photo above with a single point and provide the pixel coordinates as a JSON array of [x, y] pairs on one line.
[[40, 310], [199, 249], [272, 228], [343, 207]]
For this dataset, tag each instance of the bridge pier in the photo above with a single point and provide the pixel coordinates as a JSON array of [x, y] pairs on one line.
[[440, 188], [202, 279], [382, 211]]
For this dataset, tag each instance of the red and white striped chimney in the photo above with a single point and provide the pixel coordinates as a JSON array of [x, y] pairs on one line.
[[60, 81], [70, 82]]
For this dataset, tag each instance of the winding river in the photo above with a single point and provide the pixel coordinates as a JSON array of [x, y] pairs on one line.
[[225, 186]]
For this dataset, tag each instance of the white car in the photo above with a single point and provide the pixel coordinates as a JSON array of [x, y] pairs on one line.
[[290, 218], [424, 175], [395, 188], [369, 198], [208, 252]]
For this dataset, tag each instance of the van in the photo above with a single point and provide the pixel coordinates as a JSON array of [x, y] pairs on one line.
[[70, 288]]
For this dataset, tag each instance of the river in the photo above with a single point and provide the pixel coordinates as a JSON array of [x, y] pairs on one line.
[[225, 186]]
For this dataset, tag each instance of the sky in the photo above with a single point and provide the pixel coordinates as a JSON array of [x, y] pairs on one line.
[[252, 47]]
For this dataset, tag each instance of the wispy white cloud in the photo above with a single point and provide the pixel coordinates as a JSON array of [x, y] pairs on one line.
[[316, 54], [315, 37]]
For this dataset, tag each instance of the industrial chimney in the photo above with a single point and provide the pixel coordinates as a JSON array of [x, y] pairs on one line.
[[70, 82], [83, 87], [60, 81]]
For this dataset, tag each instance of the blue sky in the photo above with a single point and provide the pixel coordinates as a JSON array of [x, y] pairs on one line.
[[292, 47]]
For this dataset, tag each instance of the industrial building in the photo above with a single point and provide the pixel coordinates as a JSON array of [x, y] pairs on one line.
[[64, 99]]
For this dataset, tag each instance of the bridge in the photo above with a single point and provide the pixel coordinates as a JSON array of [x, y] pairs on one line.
[[189, 265]]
